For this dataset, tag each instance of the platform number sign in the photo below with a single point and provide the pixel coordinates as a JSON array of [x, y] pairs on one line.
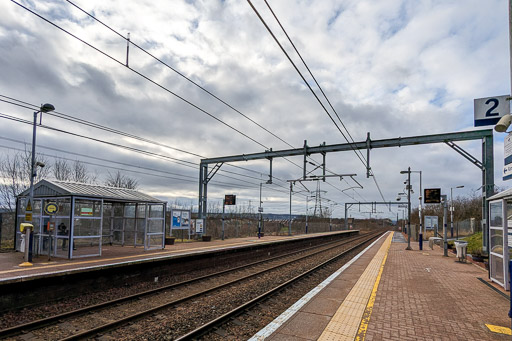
[[489, 110]]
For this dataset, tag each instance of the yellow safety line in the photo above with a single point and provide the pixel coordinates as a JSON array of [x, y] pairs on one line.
[[363, 327], [185, 251], [345, 323], [498, 329]]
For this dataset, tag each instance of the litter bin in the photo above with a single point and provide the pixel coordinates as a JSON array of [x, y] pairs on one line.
[[461, 247]]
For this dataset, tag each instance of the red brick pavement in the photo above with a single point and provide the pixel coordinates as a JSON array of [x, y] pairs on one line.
[[426, 296]]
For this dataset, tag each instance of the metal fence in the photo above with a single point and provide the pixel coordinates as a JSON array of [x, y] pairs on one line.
[[460, 229], [6, 231]]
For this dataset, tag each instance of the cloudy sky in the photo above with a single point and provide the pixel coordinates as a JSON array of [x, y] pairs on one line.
[[391, 68]]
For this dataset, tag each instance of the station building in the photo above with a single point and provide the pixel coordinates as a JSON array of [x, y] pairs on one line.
[[88, 217]]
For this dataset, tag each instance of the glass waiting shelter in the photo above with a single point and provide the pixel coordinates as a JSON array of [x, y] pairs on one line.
[[500, 237], [88, 217]]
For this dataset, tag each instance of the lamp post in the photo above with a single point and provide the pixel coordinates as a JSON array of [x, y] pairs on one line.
[[47, 107], [445, 225], [307, 212], [408, 172], [260, 210], [451, 209], [420, 237]]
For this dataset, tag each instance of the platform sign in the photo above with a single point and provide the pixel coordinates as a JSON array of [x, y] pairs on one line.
[[230, 199], [507, 169], [431, 222], [28, 211], [180, 219], [432, 196], [489, 110], [51, 208], [199, 226]]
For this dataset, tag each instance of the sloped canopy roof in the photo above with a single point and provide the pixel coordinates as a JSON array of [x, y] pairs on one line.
[[501, 195], [54, 188]]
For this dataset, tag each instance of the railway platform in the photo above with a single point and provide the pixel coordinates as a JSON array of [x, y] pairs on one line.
[[389, 293], [122, 256]]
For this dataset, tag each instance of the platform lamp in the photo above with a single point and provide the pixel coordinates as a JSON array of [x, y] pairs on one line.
[[451, 209], [408, 172], [47, 107]]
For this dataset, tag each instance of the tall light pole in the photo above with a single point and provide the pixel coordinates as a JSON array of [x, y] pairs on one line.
[[307, 213], [445, 225], [420, 239], [290, 219], [47, 107], [451, 209], [408, 172], [260, 210]]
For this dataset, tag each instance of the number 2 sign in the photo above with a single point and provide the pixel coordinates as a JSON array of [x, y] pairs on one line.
[[488, 111]]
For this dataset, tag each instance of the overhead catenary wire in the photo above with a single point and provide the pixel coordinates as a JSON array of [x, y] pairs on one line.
[[358, 154], [140, 74], [190, 164], [130, 41], [108, 129], [137, 72]]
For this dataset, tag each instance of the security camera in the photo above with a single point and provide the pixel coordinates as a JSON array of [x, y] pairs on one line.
[[503, 123], [39, 164], [398, 198]]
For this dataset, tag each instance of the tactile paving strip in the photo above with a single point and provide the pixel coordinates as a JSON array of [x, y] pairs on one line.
[[346, 322]]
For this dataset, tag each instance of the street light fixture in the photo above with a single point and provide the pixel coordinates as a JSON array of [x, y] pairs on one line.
[[307, 212], [47, 107], [451, 209], [408, 172], [420, 236]]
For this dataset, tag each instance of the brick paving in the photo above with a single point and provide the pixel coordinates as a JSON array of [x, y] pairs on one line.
[[422, 295], [312, 319], [426, 296]]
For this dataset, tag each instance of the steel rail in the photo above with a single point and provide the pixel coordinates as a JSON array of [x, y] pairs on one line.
[[207, 327], [142, 314], [18, 329]]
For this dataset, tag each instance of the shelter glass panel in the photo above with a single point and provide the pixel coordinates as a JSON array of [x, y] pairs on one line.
[[129, 232], [141, 224], [118, 210], [129, 210], [156, 211], [155, 241], [118, 230], [87, 227], [496, 241], [86, 247], [87, 208], [141, 210], [496, 214], [497, 268], [155, 226]]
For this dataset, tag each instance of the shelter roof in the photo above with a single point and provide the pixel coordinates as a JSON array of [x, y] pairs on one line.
[[55, 188], [501, 195]]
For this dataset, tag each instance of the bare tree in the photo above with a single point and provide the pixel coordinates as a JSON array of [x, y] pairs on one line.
[[122, 181], [80, 173], [61, 170], [76, 172], [15, 174]]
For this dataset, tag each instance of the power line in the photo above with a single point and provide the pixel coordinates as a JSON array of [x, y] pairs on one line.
[[191, 165], [178, 72], [140, 74], [149, 79], [358, 153], [108, 129]]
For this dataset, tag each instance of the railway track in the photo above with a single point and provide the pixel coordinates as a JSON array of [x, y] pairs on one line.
[[214, 325], [100, 318]]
